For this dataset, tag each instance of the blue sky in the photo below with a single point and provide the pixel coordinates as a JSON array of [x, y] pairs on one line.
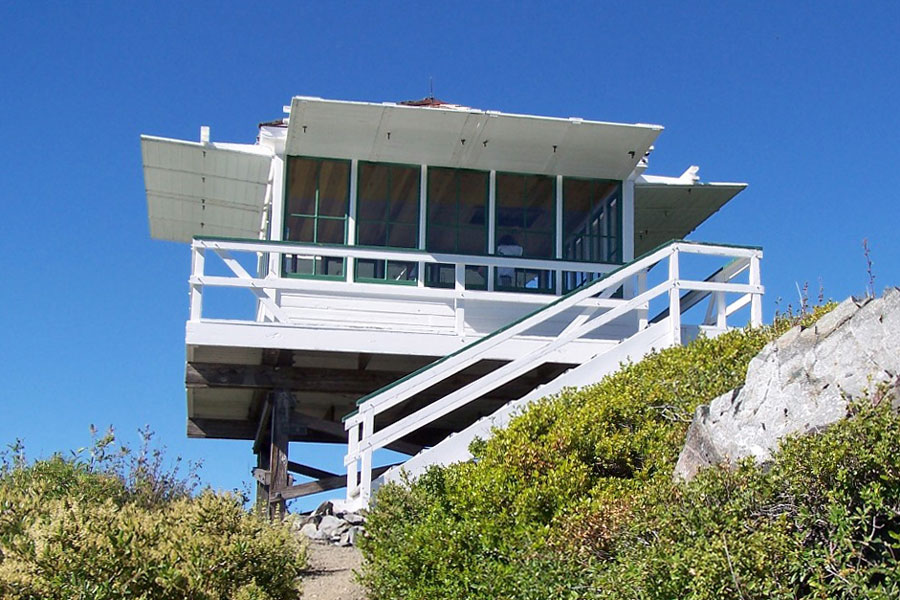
[[799, 99]]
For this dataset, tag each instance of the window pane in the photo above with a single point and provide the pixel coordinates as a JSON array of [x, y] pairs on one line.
[[373, 191], [576, 205], [299, 229], [591, 220], [441, 239], [372, 234], [401, 271], [404, 196], [302, 176], [538, 245], [539, 202], [525, 207], [330, 231], [298, 265], [334, 188], [510, 190], [331, 266], [439, 275], [472, 240], [402, 236], [370, 269]]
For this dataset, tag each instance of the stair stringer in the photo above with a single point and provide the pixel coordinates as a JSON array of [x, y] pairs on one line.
[[455, 448]]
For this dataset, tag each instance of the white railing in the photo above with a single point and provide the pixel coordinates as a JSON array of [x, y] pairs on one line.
[[271, 254], [363, 439]]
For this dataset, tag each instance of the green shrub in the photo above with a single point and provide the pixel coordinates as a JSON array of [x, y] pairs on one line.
[[118, 527], [575, 499]]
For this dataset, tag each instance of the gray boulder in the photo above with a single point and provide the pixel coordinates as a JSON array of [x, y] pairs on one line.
[[800, 383]]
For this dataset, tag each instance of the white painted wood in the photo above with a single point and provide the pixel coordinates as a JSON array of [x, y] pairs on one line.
[[456, 447], [493, 380], [737, 305], [350, 265], [628, 220], [365, 477], [198, 256], [716, 286], [492, 224], [454, 364], [258, 289], [715, 250], [642, 312], [756, 298], [352, 450], [674, 296], [386, 340], [515, 143]]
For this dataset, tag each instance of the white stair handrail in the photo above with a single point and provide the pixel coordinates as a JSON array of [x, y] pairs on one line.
[[362, 437]]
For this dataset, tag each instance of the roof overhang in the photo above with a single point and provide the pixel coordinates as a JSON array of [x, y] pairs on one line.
[[466, 138], [671, 210], [204, 189]]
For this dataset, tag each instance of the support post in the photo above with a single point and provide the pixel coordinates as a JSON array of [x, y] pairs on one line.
[[282, 406], [674, 297], [365, 473], [460, 301], [352, 450], [262, 490], [198, 257], [641, 288], [755, 299]]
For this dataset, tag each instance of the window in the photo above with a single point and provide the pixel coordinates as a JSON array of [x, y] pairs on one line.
[[316, 203], [387, 215], [592, 224], [525, 225], [456, 223]]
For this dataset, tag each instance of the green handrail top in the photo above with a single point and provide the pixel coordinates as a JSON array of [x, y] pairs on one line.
[[532, 313]]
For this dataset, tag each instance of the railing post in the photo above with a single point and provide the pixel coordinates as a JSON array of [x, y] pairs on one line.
[[460, 301], [641, 288], [755, 298], [365, 470], [198, 258], [674, 297], [353, 452]]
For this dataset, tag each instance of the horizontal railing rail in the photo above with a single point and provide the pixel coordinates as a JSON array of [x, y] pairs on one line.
[[363, 439], [270, 253]]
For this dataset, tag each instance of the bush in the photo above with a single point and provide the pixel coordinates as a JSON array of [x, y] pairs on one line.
[[575, 499], [121, 526]]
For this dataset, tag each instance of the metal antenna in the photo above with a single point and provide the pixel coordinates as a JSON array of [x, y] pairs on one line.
[[431, 87]]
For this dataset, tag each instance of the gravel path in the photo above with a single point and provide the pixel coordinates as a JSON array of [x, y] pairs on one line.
[[330, 573]]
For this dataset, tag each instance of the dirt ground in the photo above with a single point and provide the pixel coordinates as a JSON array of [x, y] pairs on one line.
[[330, 573]]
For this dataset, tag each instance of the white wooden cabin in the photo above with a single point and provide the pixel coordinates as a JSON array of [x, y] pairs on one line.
[[412, 271]]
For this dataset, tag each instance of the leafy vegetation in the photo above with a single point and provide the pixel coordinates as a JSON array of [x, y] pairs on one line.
[[117, 524], [575, 499]]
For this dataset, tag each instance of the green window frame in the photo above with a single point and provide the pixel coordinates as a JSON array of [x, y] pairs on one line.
[[387, 215], [316, 209], [592, 224], [519, 217], [456, 209]]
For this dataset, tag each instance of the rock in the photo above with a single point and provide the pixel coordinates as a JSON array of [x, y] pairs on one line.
[[331, 525], [309, 530], [348, 538], [354, 518], [326, 508], [801, 383]]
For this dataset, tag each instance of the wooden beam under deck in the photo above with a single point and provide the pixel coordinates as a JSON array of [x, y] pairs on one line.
[[303, 428], [314, 487]]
